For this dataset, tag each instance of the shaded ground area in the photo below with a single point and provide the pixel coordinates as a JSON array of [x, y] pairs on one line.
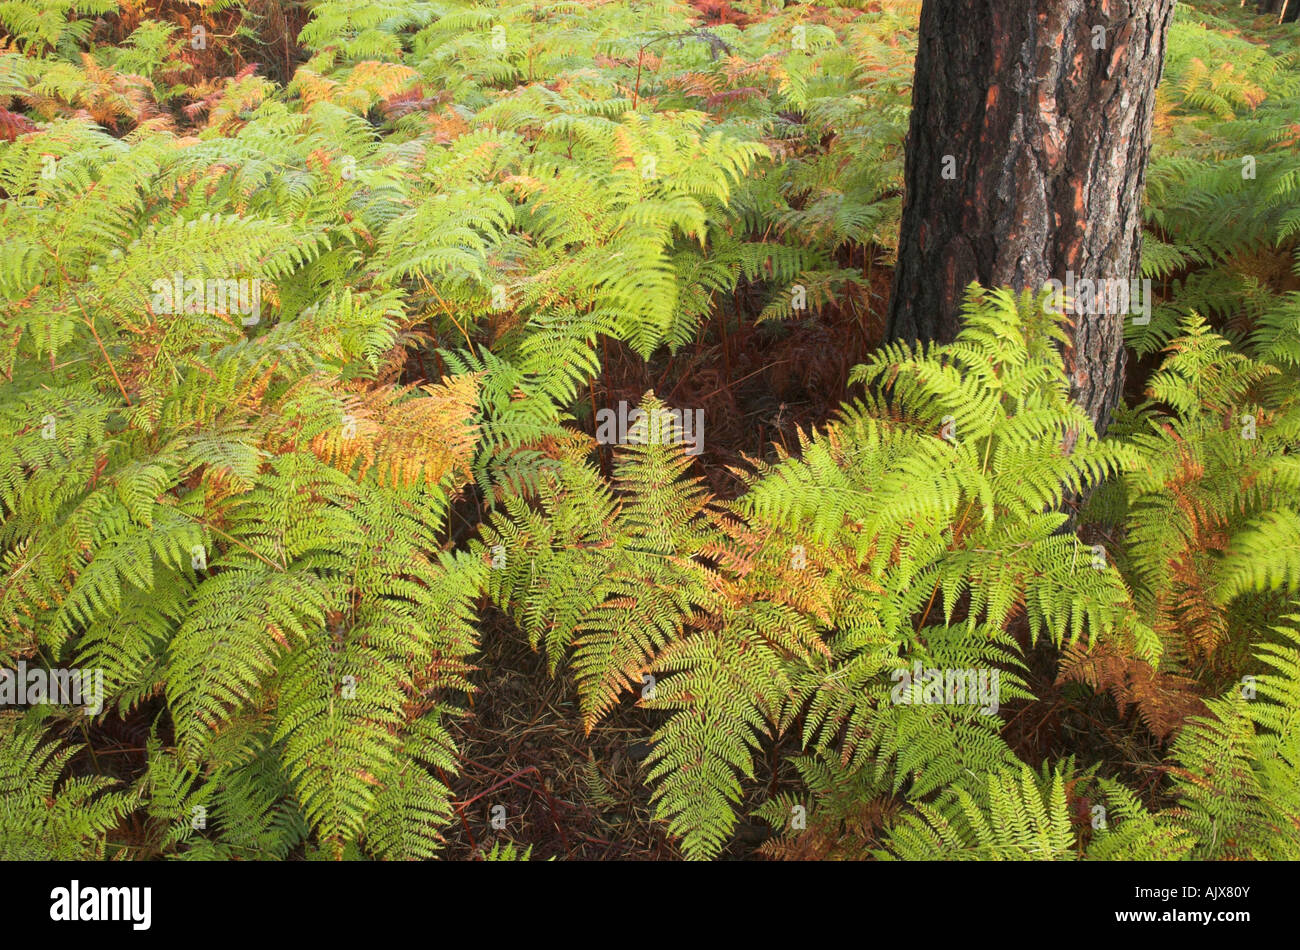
[[524, 752]]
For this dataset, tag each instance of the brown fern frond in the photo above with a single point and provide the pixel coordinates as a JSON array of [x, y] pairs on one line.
[[424, 438], [1164, 701]]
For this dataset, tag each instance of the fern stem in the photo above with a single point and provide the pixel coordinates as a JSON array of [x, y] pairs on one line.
[[90, 323], [447, 309], [233, 540]]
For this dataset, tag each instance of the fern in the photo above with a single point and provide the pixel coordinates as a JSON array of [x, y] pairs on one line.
[[1236, 770], [43, 814]]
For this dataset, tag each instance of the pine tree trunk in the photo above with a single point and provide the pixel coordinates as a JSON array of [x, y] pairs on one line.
[[1026, 159], [1289, 9]]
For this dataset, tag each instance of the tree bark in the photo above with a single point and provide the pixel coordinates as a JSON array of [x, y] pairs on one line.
[[1026, 159], [1290, 9]]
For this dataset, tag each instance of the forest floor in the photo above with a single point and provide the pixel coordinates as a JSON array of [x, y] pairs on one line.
[[525, 753]]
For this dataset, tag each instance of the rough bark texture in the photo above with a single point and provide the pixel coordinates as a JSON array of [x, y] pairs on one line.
[[1049, 138]]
